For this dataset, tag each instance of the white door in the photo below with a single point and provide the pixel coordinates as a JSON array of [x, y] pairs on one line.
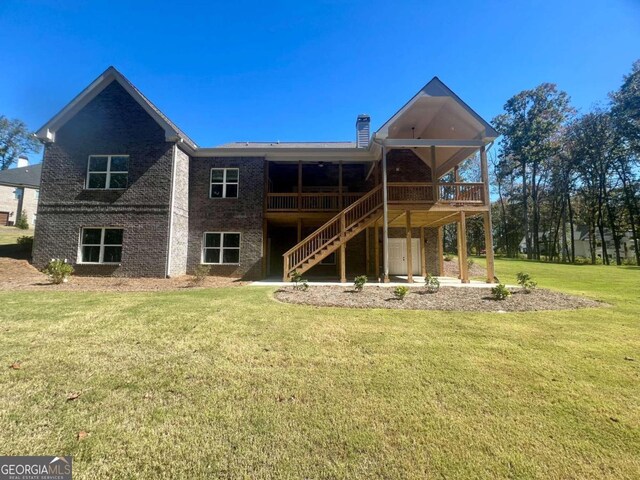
[[398, 256]]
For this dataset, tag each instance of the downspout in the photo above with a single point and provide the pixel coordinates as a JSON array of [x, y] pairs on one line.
[[174, 157]]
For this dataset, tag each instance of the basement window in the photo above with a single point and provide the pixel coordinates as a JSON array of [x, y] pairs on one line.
[[101, 245], [224, 183], [107, 172], [221, 248]]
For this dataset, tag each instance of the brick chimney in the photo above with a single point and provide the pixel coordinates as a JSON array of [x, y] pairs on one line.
[[362, 130], [23, 161]]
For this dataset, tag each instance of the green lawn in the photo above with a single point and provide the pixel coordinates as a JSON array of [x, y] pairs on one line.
[[229, 383], [8, 238]]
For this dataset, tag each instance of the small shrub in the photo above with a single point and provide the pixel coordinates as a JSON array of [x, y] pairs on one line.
[[58, 271], [500, 292], [359, 282], [628, 261], [299, 283], [201, 273], [470, 262], [25, 243], [526, 282], [431, 284], [400, 292], [448, 257], [23, 222], [582, 261]]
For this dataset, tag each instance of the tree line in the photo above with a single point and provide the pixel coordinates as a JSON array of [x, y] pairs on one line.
[[557, 169]]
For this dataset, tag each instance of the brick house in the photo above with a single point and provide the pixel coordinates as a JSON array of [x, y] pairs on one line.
[[19, 190], [125, 192]]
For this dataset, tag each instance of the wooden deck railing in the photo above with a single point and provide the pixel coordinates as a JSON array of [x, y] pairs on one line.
[[336, 228], [452, 193], [310, 202], [461, 193]]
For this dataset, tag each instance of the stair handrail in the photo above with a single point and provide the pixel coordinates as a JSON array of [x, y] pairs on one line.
[[339, 217]]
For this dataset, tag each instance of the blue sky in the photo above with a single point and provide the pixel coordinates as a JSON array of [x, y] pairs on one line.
[[227, 71]]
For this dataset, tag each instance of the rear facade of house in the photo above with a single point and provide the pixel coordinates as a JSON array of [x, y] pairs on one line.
[[125, 192]]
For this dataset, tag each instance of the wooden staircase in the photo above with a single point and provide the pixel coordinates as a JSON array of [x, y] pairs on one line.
[[330, 236]]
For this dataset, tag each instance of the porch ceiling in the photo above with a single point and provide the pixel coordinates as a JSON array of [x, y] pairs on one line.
[[436, 112], [428, 218]]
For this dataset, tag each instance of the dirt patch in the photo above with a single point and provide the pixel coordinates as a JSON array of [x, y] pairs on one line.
[[16, 275], [447, 298], [452, 269]]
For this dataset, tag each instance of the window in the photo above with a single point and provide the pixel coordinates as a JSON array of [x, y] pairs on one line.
[[17, 194], [224, 183], [36, 194], [101, 245], [221, 248], [107, 171]]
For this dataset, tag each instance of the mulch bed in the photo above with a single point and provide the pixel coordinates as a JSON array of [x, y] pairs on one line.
[[447, 298], [20, 275]]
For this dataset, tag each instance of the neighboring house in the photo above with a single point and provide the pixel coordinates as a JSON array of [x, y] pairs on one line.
[[582, 243], [19, 192], [125, 192]]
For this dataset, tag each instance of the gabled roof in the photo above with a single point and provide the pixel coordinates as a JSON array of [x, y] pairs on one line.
[[436, 89], [172, 132], [28, 176]]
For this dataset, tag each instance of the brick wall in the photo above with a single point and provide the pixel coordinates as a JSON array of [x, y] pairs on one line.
[[243, 214], [112, 123]]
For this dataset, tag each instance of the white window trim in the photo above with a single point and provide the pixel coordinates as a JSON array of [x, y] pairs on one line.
[[224, 183], [222, 248], [108, 172], [101, 245]]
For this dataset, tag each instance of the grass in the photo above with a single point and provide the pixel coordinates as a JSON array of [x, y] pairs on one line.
[[8, 238], [229, 383]]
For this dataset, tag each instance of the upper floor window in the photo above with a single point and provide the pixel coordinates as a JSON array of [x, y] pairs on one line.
[[108, 171], [224, 183], [17, 194], [101, 245]]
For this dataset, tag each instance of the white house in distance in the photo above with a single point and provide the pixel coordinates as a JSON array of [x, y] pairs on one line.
[[583, 244], [19, 188]]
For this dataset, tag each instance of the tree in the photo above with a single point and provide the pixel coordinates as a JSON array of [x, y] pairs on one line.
[[15, 140], [625, 109], [531, 128]]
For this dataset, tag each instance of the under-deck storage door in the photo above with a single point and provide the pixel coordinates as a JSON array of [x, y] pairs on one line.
[[398, 256]]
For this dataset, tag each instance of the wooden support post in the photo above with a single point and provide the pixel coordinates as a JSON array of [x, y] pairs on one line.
[[367, 248], [434, 175], [458, 243], [299, 185], [340, 201], [409, 252], [265, 249], [488, 227], [343, 263], [385, 219], [440, 236], [488, 245], [376, 250], [463, 248], [423, 254]]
